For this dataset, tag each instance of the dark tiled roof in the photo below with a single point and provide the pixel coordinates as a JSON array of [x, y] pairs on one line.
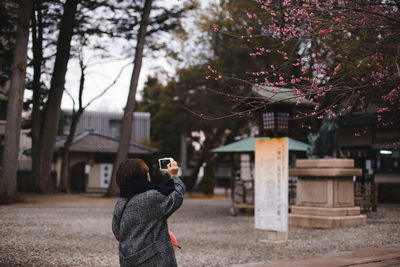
[[361, 118], [90, 141]]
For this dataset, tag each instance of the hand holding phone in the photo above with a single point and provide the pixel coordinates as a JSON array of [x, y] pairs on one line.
[[169, 165], [164, 163], [173, 168]]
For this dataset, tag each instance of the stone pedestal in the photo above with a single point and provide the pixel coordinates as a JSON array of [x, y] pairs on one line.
[[325, 194]]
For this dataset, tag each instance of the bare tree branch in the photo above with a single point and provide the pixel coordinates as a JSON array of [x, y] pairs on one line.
[[109, 86]]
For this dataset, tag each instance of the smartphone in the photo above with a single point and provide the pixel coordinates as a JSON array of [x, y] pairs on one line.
[[164, 163]]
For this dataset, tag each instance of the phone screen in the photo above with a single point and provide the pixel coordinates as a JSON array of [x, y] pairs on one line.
[[164, 163]]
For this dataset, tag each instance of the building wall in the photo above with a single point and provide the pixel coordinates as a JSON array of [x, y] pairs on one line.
[[94, 177], [372, 146], [3, 114], [355, 136], [25, 142], [3, 109], [107, 123], [74, 159]]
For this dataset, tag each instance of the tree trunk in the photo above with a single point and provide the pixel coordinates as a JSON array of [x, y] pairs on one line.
[[209, 169], [52, 110], [65, 179], [195, 173], [209, 179], [37, 47], [126, 128], [213, 140], [8, 182]]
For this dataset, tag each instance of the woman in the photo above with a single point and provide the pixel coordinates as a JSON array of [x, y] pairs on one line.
[[140, 215]]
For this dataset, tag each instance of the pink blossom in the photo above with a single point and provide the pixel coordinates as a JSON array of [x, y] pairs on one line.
[[337, 68], [323, 31], [288, 24], [381, 110]]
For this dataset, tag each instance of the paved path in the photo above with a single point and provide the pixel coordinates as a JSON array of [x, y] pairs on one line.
[[372, 257]]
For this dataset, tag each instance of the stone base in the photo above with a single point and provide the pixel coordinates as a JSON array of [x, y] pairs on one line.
[[326, 218], [271, 237], [318, 211], [325, 194]]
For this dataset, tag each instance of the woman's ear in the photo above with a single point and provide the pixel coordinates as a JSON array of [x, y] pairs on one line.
[[148, 177]]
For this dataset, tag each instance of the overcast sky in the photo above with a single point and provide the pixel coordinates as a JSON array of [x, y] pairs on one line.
[[99, 76]]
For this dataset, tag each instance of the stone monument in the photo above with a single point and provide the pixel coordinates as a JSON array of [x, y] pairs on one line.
[[325, 194], [325, 189]]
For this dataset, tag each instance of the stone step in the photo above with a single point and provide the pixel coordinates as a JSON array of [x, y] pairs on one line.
[[325, 163], [326, 172], [326, 222], [351, 211]]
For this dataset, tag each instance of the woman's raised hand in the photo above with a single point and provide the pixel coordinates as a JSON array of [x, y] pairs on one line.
[[173, 168]]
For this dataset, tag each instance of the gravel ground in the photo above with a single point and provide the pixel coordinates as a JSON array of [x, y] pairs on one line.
[[70, 230]]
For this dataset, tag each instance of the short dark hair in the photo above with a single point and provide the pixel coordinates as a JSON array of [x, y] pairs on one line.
[[131, 169]]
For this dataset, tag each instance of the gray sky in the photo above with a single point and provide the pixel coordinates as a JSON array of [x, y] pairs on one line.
[[99, 76]]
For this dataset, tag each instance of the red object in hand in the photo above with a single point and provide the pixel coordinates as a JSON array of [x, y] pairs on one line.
[[173, 240]]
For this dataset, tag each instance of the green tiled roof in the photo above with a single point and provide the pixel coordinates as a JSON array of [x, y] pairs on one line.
[[278, 94], [248, 145]]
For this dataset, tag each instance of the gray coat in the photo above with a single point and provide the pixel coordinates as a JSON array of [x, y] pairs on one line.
[[141, 228]]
